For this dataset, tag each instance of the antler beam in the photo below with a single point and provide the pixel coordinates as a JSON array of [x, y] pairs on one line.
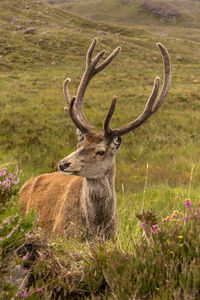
[[153, 103], [72, 113], [91, 70]]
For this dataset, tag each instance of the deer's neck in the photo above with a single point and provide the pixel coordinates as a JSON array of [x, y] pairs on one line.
[[99, 204]]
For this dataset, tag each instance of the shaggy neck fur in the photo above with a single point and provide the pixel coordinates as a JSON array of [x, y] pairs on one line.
[[99, 204]]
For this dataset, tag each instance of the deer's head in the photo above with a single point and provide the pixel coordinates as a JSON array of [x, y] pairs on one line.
[[95, 154]]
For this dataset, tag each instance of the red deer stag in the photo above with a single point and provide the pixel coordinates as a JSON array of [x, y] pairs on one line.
[[84, 201]]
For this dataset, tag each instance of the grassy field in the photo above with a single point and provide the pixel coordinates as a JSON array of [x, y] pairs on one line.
[[157, 166]]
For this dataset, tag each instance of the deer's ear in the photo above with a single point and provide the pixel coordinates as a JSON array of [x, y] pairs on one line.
[[117, 140], [80, 136]]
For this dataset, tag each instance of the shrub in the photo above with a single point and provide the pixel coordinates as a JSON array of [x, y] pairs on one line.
[[14, 230], [8, 186]]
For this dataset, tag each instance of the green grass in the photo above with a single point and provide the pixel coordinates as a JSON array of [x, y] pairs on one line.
[[35, 133], [161, 17]]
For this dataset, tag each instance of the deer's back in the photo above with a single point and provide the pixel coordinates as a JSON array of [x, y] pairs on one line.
[[52, 195]]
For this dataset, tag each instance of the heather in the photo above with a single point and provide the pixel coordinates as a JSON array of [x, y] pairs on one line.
[[14, 228]]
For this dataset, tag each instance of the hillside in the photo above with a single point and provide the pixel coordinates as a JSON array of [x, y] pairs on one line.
[[155, 16]]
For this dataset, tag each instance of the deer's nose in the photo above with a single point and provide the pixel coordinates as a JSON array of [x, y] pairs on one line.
[[63, 166]]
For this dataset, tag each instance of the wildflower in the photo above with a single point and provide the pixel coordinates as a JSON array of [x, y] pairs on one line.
[[166, 219], [180, 236], [8, 182], [3, 172], [173, 220], [188, 204], [175, 212], [21, 285], [184, 218], [195, 214], [155, 228], [25, 257], [40, 290], [24, 295], [7, 220], [143, 224], [174, 215], [9, 235], [16, 181]]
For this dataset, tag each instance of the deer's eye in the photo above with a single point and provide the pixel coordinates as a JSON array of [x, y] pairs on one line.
[[101, 153]]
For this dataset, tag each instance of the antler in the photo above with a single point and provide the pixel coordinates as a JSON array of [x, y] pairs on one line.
[[66, 90], [74, 117], [153, 103], [91, 70]]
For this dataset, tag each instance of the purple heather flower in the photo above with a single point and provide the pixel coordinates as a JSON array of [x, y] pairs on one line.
[[10, 176], [9, 235], [188, 204], [24, 295], [143, 224], [16, 181], [8, 180], [184, 218], [40, 290], [3, 172], [21, 285], [155, 228], [25, 257], [7, 220]]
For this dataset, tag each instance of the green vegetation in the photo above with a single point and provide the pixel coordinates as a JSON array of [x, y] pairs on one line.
[[35, 134], [158, 16]]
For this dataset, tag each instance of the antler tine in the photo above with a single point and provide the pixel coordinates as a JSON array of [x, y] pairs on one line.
[[66, 90], [167, 77], [153, 102], [66, 93], [107, 130], [108, 59], [75, 119], [90, 71], [91, 50]]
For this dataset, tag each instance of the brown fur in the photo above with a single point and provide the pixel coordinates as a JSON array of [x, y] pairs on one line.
[[70, 205], [46, 194]]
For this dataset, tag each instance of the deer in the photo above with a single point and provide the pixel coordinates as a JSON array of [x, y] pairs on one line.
[[83, 203]]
